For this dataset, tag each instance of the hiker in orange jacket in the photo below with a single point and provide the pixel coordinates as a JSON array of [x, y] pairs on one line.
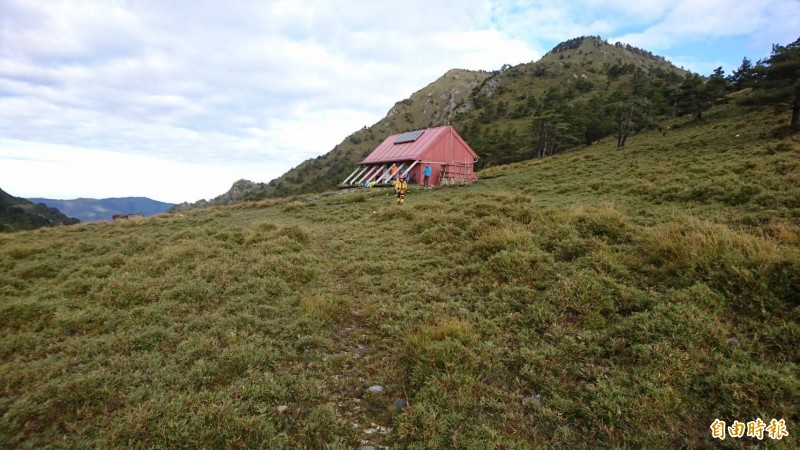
[[400, 188]]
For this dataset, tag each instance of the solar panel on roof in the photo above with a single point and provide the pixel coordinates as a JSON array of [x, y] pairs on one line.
[[410, 136]]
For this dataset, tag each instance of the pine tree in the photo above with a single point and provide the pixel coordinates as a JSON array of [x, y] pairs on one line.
[[717, 84], [744, 76], [778, 80], [693, 97]]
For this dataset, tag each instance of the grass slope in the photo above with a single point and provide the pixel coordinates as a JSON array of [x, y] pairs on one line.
[[602, 297]]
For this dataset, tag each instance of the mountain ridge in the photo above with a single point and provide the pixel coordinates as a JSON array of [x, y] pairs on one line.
[[93, 210]]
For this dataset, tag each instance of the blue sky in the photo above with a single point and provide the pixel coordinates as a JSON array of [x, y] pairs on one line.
[[177, 100]]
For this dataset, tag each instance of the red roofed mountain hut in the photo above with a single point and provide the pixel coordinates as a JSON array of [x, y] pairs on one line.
[[452, 160]]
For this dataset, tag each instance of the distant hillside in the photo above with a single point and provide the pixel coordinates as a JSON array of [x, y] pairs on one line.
[[20, 214], [93, 210], [240, 191]]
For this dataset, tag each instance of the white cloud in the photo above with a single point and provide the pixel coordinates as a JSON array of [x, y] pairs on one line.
[[31, 167], [695, 32], [244, 83], [705, 34]]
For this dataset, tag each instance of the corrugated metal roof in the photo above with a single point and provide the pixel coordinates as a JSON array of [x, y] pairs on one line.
[[388, 151]]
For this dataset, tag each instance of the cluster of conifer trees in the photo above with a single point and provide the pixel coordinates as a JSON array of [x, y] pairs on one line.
[[581, 113]]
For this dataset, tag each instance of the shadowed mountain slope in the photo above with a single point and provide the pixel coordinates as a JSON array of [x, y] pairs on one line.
[[20, 214]]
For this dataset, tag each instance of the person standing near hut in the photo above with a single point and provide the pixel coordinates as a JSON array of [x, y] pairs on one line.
[[400, 188], [426, 175], [393, 170]]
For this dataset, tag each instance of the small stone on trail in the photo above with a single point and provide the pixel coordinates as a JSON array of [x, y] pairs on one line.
[[535, 400], [376, 389], [282, 409], [400, 404], [733, 342]]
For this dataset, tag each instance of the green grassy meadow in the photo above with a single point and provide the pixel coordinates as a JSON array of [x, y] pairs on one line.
[[603, 297]]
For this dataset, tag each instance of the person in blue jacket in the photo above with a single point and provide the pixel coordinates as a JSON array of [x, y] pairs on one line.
[[426, 175]]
